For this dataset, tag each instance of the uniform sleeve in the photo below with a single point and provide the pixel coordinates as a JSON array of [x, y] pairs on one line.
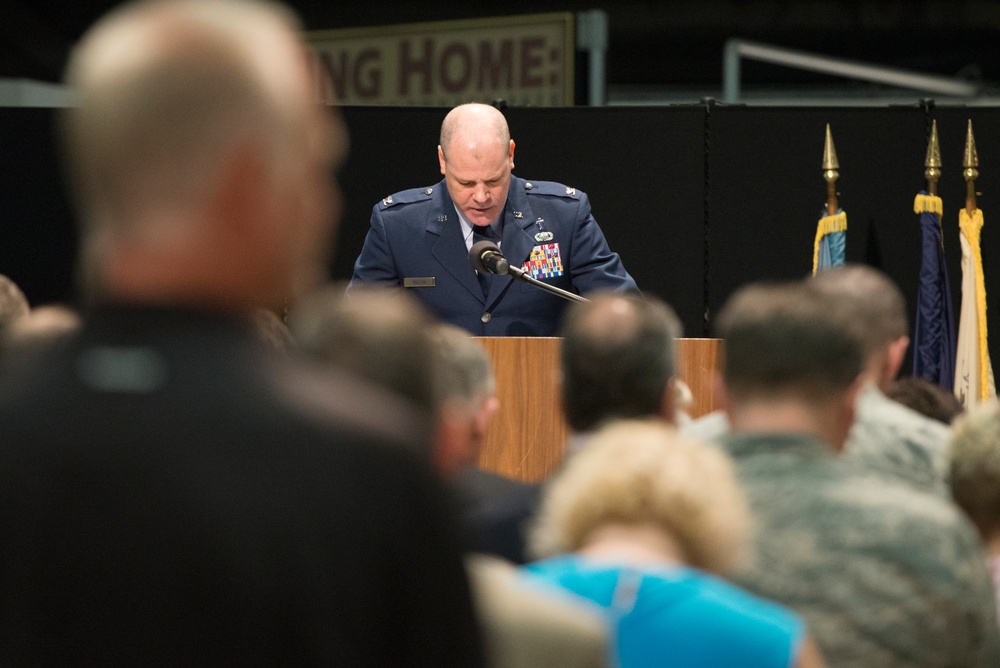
[[593, 265], [376, 264]]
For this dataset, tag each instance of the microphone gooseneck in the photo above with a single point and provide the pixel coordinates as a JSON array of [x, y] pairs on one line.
[[486, 258]]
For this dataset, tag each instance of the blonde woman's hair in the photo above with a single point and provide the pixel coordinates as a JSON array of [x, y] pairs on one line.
[[645, 473], [974, 462]]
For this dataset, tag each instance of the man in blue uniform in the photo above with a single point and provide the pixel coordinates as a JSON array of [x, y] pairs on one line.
[[420, 238]]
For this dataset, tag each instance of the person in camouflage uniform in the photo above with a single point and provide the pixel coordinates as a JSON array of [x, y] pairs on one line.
[[887, 437], [884, 574]]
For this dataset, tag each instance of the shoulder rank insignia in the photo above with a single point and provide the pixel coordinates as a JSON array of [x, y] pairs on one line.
[[570, 191], [387, 201]]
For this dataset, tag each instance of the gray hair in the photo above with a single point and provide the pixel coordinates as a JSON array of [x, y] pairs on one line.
[[163, 90], [464, 370]]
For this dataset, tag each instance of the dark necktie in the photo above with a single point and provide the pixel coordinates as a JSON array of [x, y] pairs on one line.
[[484, 233]]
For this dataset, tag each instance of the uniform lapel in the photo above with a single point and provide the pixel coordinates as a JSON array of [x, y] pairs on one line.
[[449, 248], [518, 222]]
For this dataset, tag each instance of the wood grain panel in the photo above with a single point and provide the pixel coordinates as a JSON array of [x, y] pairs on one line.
[[528, 435], [697, 363], [527, 438]]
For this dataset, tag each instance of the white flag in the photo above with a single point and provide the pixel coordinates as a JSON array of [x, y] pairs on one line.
[[973, 371]]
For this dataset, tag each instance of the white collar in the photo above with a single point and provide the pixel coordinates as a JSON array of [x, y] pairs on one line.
[[468, 227]]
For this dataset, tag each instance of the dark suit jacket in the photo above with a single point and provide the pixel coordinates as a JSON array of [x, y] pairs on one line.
[[168, 495], [416, 241], [497, 510]]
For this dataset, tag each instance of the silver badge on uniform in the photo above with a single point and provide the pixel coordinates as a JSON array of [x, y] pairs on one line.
[[543, 236], [518, 214]]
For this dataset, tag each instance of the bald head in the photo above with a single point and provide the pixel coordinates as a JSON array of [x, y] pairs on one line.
[[476, 155], [473, 125], [163, 90], [180, 100]]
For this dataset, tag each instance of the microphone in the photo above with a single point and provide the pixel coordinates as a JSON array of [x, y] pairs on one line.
[[486, 258]]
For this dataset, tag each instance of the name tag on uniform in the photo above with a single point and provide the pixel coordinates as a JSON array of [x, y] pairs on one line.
[[419, 282]]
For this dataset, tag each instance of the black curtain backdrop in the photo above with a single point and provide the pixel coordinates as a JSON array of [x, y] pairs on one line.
[[37, 231], [697, 199]]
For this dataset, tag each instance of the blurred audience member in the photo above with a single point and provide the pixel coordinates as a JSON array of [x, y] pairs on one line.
[[466, 392], [385, 336], [13, 303], [884, 574], [381, 336], [926, 398], [975, 476], [635, 522], [618, 361], [271, 331], [41, 327], [888, 437], [168, 495], [682, 403], [526, 623], [497, 507]]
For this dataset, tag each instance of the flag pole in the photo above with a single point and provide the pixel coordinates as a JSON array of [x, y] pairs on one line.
[[830, 173], [829, 247], [934, 325], [970, 171], [974, 381], [933, 161]]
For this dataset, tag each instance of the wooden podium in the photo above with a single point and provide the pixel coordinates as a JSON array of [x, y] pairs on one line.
[[528, 435]]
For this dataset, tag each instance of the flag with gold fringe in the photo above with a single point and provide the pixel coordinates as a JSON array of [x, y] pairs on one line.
[[974, 382], [831, 241], [831, 231], [934, 327]]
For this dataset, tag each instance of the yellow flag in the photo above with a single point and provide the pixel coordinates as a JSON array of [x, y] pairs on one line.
[[974, 382]]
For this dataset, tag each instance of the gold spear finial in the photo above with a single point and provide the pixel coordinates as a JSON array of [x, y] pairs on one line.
[[970, 162], [933, 161], [830, 173]]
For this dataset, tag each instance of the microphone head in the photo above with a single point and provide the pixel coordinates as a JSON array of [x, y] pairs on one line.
[[479, 251]]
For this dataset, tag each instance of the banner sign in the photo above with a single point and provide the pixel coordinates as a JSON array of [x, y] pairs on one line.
[[525, 60]]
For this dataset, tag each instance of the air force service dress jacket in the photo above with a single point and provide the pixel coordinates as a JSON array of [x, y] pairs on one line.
[[416, 241]]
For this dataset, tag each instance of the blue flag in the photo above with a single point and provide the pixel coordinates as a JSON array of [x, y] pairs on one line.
[[831, 241], [934, 328]]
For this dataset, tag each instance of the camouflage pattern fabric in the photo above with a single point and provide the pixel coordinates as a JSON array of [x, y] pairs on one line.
[[894, 440], [884, 574]]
